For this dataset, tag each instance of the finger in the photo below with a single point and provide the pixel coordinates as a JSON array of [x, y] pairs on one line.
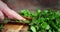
[[12, 14], [1, 16]]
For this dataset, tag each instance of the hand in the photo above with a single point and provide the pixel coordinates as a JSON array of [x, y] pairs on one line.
[[4, 9]]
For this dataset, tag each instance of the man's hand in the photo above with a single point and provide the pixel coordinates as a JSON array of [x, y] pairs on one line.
[[8, 12]]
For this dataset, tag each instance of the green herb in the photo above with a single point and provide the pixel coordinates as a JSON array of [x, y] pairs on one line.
[[43, 21], [1, 26], [33, 29]]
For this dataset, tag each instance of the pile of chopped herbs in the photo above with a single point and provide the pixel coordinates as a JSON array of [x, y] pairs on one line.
[[42, 21]]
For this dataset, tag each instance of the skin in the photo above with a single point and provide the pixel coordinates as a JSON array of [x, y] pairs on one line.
[[5, 10]]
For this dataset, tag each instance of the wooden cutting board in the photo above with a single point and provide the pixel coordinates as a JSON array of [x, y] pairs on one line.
[[15, 27]]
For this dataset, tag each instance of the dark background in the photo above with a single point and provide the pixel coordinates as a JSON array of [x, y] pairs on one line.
[[32, 4]]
